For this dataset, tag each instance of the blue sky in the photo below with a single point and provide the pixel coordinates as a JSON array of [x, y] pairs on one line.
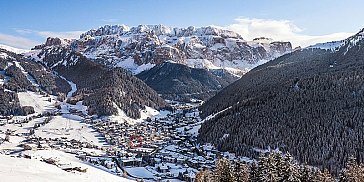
[[24, 23]]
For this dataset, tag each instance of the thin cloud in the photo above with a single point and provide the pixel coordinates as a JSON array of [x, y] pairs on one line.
[[65, 35], [46, 34], [17, 41], [22, 42], [280, 30], [23, 31], [110, 20]]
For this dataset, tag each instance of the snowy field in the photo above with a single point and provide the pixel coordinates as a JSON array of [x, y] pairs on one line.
[[140, 172], [71, 127], [39, 102], [34, 170]]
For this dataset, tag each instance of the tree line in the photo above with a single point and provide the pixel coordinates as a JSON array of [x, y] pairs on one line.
[[275, 167], [309, 102]]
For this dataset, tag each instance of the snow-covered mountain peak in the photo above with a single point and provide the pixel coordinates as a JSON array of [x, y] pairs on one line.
[[332, 46], [337, 45], [356, 38], [141, 47], [12, 49], [54, 41], [263, 40], [159, 30], [106, 30], [153, 29]]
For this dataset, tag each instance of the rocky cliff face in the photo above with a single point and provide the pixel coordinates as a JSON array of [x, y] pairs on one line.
[[140, 48]]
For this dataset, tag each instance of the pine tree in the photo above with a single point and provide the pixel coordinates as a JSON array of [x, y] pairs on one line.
[[241, 172], [307, 174], [224, 171], [203, 176], [279, 163], [267, 169], [353, 172], [324, 177], [253, 174], [290, 169]]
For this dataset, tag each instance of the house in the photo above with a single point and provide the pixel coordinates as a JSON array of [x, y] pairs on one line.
[[162, 168], [131, 162]]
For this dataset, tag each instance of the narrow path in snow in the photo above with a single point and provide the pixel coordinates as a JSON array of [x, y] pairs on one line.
[[2, 72], [29, 77], [73, 87]]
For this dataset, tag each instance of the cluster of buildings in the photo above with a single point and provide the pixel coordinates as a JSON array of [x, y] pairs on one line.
[[165, 147], [168, 149]]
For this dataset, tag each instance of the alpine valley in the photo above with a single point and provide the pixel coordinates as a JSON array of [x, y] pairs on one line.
[[159, 103]]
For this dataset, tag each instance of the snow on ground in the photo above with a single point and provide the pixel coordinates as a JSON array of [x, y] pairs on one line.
[[171, 180], [194, 130], [148, 112], [12, 144], [13, 49], [73, 87], [129, 64], [80, 107], [144, 114], [215, 114], [69, 126], [33, 170], [236, 67], [29, 77], [332, 46], [140, 172], [3, 55], [2, 72], [201, 63], [39, 102], [17, 129], [33, 54]]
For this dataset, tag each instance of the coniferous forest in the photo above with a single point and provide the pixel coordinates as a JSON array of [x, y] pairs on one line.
[[275, 167], [308, 102]]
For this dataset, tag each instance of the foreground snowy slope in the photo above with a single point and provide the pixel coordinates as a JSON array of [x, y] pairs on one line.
[[33, 170]]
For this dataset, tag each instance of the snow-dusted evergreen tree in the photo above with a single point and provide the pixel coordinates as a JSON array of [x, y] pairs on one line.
[[306, 173], [224, 171], [267, 168], [353, 171], [275, 167], [253, 174], [241, 172], [279, 163], [203, 176], [324, 176], [290, 169]]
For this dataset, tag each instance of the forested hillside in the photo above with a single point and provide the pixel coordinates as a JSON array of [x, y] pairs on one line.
[[179, 82], [103, 89], [309, 102]]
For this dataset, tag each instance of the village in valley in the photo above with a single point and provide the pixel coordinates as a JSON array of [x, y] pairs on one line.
[[159, 147]]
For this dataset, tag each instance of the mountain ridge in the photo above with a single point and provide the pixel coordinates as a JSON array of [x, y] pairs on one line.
[[142, 47], [181, 83]]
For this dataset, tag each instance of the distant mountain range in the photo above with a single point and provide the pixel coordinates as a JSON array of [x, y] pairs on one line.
[[309, 102], [179, 63], [140, 48]]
